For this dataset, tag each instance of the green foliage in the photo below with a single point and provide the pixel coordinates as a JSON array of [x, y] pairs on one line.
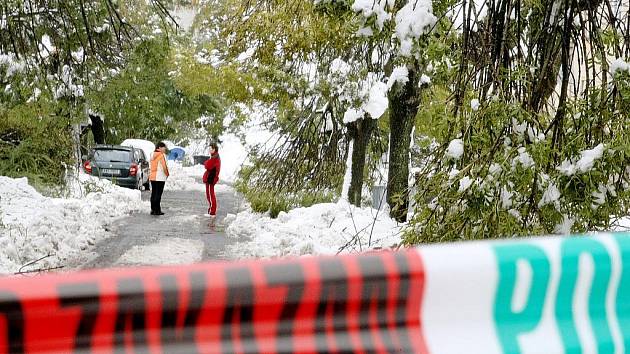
[[506, 196], [264, 200], [143, 101], [34, 143]]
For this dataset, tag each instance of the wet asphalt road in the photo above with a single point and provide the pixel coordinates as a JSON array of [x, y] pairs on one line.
[[183, 223]]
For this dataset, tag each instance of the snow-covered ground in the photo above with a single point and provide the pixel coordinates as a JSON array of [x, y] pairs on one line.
[[326, 228], [33, 226]]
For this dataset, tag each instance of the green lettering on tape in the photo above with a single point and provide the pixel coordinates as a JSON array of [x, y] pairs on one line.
[[571, 250], [510, 323]]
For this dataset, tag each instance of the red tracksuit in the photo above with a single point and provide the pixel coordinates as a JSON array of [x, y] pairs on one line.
[[210, 178]]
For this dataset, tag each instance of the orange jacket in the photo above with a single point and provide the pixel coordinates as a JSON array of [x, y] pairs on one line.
[[158, 158]]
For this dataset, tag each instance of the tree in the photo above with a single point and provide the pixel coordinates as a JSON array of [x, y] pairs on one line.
[[295, 63], [50, 59], [525, 153]]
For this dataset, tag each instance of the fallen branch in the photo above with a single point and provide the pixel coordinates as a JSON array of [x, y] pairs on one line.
[[31, 263]]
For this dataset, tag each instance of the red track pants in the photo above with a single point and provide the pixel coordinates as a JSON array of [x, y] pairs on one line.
[[212, 199]]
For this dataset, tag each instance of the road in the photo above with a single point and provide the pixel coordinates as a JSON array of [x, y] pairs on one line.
[[182, 235]]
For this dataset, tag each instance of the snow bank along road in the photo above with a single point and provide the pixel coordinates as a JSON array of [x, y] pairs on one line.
[[183, 235]]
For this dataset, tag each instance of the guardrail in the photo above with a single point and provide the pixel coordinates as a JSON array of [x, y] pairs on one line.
[[542, 295]]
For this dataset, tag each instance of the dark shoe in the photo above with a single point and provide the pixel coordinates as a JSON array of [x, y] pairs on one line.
[[159, 213], [152, 212]]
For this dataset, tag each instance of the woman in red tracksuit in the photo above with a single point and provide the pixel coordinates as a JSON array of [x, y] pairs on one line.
[[211, 177]]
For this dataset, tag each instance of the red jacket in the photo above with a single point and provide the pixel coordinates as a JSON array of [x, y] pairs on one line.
[[213, 167]]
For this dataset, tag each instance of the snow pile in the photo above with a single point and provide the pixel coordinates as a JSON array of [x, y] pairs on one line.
[[33, 226], [190, 178], [325, 228], [233, 155], [184, 178]]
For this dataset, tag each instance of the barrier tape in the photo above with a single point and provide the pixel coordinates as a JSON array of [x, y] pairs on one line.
[[546, 295]]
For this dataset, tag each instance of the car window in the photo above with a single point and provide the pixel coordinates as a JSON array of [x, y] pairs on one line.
[[112, 155], [137, 156]]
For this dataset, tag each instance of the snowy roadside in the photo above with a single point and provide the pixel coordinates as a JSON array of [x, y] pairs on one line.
[[327, 228], [55, 230]]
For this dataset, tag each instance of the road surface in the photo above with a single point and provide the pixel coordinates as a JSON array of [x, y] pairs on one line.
[[182, 235]]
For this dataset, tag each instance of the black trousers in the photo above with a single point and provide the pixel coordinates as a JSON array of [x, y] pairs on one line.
[[157, 187]]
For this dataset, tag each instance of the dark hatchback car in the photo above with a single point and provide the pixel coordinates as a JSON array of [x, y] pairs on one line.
[[123, 165]]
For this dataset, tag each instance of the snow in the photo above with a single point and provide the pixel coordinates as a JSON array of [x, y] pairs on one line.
[[455, 149], [168, 251], [189, 178], [564, 228], [567, 168], [584, 164], [325, 228], [33, 226], [550, 196], [340, 67], [78, 55], [13, 65], [474, 104], [424, 80], [184, 17], [352, 115], [619, 65], [495, 169], [376, 8], [465, 183], [412, 21], [523, 158], [347, 178], [506, 198], [146, 146], [599, 196], [588, 158], [377, 102], [46, 47], [400, 74]]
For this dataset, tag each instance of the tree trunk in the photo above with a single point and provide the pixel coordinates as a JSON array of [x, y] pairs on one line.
[[360, 131], [98, 130], [403, 107]]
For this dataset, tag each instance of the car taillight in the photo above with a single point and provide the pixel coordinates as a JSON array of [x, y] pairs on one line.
[[87, 167], [133, 169]]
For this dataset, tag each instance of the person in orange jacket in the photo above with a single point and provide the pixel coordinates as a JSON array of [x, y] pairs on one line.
[[211, 177], [158, 176]]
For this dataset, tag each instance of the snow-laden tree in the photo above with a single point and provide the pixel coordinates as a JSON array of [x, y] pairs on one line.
[[307, 68], [52, 54], [533, 138]]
